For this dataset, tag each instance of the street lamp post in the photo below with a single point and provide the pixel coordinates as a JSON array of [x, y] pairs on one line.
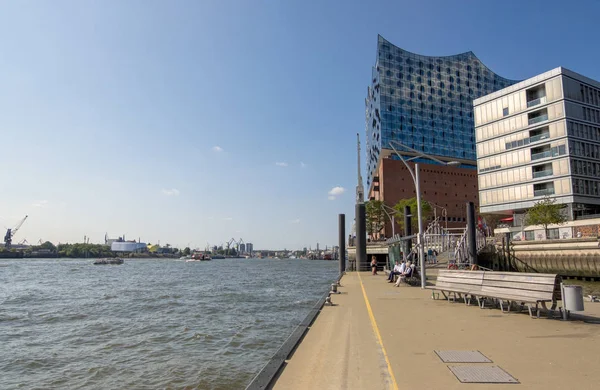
[[415, 176], [391, 217]]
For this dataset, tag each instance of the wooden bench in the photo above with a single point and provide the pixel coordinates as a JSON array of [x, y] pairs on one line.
[[455, 284], [530, 289]]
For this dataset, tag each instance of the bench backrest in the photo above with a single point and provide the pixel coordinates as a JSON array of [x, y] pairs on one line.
[[531, 285], [463, 280]]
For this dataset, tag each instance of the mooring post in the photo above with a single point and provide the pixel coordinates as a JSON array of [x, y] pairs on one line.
[[471, 234], [361, 238], [342, 242]]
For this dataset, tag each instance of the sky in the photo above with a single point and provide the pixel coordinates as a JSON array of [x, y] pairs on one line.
[[194, 122]]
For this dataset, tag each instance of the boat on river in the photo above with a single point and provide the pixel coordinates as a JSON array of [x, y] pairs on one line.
[[114, 261]]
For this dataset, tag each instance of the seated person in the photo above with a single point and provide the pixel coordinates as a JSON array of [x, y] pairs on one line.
[[406, 274], [398, 270]]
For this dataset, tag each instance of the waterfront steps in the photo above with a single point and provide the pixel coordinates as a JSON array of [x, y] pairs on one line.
[[343, 351]]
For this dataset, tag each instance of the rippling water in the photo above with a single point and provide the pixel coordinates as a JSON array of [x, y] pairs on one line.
[[149, 323]]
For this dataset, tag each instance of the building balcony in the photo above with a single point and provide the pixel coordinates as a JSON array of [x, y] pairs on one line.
[[539, 137], [537, 156], [538, 174], [537, 101], [538, 119], [543, 192]]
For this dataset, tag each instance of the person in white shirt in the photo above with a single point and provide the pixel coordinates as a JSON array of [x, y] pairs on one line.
[[398, 270], [406, 274]]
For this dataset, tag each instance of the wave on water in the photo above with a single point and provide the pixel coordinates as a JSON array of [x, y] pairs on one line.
[[151, 324]]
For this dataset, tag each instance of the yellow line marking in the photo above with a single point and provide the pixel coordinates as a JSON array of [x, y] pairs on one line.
[[376, 330]]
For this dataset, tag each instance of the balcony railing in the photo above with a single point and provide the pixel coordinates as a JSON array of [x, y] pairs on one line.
[[544, 192], [536, 101], [538, 119], [538, 174], [539, 137], [537, 156]]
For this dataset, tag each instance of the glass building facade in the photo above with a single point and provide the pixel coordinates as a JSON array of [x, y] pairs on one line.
[[425, 103]]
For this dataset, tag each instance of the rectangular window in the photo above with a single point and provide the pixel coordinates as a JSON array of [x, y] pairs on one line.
[[505, 111], [553, 234], [529, 236]]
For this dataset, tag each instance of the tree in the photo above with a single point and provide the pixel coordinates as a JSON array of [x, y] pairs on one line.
[[412, 203], [375, 217], [48, 245], [545, 212], [187, 251]]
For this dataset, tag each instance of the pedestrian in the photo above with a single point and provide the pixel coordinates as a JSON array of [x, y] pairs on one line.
[[374, 265]]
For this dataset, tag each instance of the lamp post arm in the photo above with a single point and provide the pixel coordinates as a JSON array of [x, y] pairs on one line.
[[417, 152], [405, 163]]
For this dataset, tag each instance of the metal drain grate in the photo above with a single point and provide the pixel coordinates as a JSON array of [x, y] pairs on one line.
[[462, 357], [482, 374]]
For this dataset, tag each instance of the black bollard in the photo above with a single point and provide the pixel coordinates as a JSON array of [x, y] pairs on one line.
[[342, 242], [471, 234], [361, 238]]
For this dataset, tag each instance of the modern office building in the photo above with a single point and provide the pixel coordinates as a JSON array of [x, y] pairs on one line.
[[425, 103], [249, 248], [537, 138]]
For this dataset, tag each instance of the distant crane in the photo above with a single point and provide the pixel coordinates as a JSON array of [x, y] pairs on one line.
[[10, 233], [24, 241]]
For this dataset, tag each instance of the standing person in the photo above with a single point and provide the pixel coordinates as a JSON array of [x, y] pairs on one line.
[[398, 270], [374, 265]]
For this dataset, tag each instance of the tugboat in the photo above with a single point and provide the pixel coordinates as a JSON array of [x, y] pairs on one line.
[[114, 261]]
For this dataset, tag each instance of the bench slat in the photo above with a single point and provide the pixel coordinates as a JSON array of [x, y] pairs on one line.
[[522, 279], [519, 285]]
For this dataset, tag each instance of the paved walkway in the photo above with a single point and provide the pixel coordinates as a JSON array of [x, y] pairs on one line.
[[378, 336]]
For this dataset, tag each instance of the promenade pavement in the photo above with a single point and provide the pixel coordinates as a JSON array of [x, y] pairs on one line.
[[378, 336]]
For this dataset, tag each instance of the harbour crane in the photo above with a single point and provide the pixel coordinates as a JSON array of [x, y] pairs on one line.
[[10, 233]]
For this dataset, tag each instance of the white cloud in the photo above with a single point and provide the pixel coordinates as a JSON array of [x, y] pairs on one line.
[[281, 164], [217, 149], [228, 219], [171, 192], [295, 220], [335, 192], [302, 164], [40, 203]]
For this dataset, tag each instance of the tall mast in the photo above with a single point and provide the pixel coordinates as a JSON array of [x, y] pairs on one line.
[[360, 191]]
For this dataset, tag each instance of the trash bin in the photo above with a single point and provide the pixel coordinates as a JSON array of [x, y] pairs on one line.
[[572, 298]]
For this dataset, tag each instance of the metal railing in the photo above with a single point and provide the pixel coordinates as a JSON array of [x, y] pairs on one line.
[[538, 174], [539, 137], [544, 192], [537, 156], [536, 101], [461, 253], [538, 119]]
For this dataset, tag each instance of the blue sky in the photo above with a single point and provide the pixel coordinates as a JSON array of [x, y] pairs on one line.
[[111, 112]]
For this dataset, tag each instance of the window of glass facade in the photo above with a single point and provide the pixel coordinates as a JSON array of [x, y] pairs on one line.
[[439, 111]]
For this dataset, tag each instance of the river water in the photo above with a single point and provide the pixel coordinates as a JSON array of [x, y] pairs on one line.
[[149, 323]]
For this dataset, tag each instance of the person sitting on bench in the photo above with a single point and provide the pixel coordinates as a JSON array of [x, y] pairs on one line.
[[398, 270], [406, 274]]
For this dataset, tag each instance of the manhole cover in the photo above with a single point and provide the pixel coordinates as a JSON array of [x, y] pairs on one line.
[[482, 374], [462, 357]]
